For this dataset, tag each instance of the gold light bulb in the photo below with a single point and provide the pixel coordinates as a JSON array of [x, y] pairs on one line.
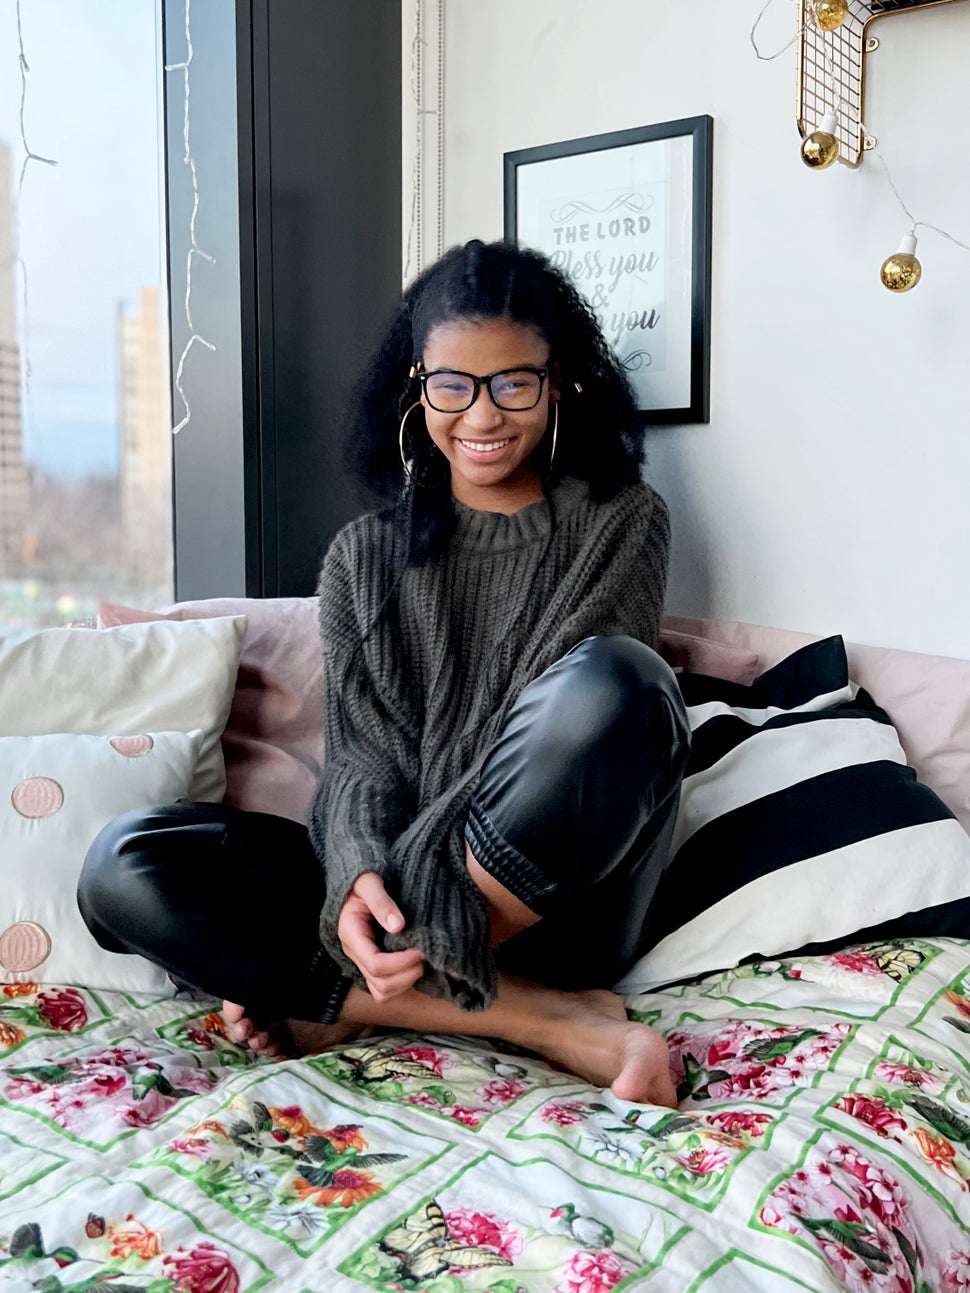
[[821, 148], [902, 271], [830, 14]]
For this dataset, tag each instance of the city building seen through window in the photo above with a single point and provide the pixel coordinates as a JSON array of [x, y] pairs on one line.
[[85, 416]]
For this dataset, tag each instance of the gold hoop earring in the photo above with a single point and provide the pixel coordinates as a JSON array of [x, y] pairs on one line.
[[409, 464], [400, 440], [555, 433]]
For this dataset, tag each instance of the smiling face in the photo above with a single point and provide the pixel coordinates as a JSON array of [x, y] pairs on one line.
[[489, 450]]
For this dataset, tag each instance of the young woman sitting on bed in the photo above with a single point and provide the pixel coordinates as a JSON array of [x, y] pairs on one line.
[[503, 746]]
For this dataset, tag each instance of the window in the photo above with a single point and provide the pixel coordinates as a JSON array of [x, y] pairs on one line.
[[85, 418]]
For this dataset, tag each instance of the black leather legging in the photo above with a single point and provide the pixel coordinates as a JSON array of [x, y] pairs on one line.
[[573, 814]]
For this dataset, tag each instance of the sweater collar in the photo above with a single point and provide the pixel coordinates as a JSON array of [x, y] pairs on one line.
[[496, 532]]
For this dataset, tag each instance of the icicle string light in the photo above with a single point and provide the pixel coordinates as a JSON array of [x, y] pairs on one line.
[[194, 248], [439, 112], [413, 242], [29, 156], [414, 249]]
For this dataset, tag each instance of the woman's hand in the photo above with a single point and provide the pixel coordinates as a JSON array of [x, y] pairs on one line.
[[387, 974]]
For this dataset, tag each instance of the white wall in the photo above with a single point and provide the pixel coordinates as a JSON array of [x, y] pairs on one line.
[[831, 490]]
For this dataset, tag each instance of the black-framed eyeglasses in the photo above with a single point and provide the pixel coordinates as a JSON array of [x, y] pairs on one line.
[[513, 389]]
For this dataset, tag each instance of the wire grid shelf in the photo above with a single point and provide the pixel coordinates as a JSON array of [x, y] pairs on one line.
[[831, 70]]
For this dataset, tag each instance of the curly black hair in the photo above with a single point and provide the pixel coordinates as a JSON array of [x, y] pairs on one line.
[[600, 436]]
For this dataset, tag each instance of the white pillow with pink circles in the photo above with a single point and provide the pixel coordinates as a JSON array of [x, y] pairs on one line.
[[56, 793]]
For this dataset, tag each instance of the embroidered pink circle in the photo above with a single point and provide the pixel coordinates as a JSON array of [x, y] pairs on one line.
[[24, 946], [37, 797], [132, 747]]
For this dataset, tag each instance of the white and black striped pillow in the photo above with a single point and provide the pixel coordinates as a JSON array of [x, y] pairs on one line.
[[800, 827]]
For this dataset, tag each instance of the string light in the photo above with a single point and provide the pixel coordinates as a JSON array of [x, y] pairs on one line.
[[194, 248], [821, 148], [767, 58], [830, 14], [901, 271], [29, 156]]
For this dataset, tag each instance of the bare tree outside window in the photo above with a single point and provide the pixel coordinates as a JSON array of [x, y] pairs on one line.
[[85, 419]]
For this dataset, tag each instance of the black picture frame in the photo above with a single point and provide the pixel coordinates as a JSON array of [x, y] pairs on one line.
[[611, 210]]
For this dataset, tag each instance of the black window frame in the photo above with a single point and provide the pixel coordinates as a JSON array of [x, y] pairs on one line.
[[295, 125]]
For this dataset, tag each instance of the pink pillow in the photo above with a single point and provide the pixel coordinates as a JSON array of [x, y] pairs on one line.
[[273, 741], [690, 653]]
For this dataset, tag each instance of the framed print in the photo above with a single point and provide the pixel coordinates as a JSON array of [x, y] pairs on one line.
[[627, 216]]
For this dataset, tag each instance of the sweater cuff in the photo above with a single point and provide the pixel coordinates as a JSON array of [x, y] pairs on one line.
[[448, 923]]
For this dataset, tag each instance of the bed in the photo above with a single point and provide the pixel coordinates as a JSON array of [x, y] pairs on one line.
[[821, 1141]]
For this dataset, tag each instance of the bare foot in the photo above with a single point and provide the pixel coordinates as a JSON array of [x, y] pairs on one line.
[[591, 1036], [310, 1038], [288, 1036], [265, 1039]]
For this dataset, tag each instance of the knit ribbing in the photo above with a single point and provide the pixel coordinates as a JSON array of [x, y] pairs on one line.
[[416, 693], [494, 532]]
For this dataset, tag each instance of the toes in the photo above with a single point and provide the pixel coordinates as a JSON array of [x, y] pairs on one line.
[[267, 1041], [259, 1038]]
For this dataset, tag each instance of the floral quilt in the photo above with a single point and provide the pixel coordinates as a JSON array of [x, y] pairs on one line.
[[822, 1142]]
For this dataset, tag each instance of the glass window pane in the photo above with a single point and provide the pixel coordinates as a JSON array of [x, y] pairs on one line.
[[85, 420]]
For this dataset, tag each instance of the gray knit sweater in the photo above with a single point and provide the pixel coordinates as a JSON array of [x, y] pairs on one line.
[[412, 708]]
